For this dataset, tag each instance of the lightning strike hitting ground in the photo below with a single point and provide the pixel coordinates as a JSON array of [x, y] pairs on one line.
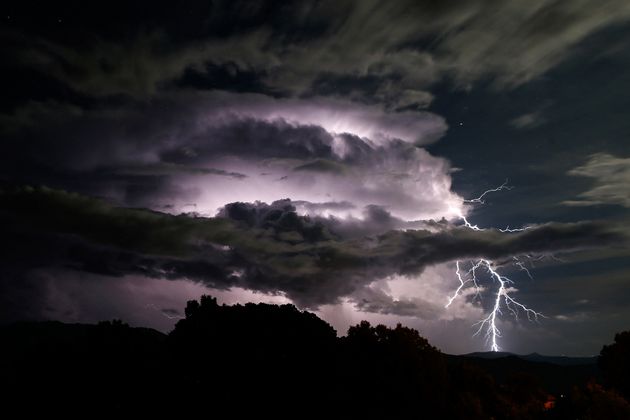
[[492, 331], [502, 297]]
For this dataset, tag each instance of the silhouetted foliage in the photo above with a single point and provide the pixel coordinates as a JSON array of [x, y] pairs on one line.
[[395, 365], [594, 402], [614, 361], [259, 352], [277, 361]]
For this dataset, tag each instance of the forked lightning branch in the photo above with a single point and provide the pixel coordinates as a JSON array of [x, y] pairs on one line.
[[468, 274]]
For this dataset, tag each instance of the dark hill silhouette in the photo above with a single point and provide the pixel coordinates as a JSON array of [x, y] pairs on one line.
[[535, 357], [560, 360], [276, 361], [556, 374], [55, 367], [553, 378]]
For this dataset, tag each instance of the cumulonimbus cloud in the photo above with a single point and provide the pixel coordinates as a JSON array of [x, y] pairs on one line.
[[256, 246], [213, 148]]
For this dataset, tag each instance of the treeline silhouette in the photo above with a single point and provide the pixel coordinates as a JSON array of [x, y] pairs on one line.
[[270, 361]]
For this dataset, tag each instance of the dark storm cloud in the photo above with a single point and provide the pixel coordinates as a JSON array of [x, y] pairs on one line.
[[329, 205], [169, 151], [172, 168], [132, 112], [257, 246], [376, 220], [219, 122], [373, 300], [370, 51]]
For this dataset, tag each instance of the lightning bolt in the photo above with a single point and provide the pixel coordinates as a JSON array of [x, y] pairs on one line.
[[502, 297], [480, 200]]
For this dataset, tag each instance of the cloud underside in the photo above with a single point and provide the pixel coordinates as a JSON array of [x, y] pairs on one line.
[[262, 247]]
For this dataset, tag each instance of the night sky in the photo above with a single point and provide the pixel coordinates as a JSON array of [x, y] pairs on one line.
[[324, 154]]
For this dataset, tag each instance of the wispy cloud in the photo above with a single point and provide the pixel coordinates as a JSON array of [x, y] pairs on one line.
[[611, 181]]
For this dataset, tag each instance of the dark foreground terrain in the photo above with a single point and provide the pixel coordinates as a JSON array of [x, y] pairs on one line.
[[272, 361]]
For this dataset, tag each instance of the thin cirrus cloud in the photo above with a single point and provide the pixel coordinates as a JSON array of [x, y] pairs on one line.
[[610, 176], [382, 52]]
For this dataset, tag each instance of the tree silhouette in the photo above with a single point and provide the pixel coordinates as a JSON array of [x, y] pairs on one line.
[[594, 402], [277, 361], [395, 366], [614, 361]]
